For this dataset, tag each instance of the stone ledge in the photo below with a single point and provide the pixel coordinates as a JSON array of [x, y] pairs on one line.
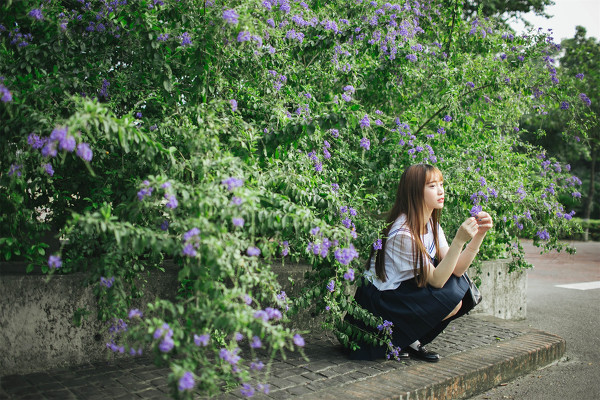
[[457, 376]]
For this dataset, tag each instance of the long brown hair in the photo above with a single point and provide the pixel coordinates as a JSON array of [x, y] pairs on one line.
[[410, 202]]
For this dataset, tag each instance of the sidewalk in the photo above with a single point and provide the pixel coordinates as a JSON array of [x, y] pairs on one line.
[[478, 353]]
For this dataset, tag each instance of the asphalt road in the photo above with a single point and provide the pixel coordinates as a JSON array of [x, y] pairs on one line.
[[570, 313]]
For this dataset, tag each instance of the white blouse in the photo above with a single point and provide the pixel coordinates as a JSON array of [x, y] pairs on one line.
[[398, 262]]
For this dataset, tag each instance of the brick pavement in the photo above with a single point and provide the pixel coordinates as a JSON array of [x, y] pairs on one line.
[[478, 353]]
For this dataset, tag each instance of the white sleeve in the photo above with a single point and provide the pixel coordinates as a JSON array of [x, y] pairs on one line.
[[398, 254]]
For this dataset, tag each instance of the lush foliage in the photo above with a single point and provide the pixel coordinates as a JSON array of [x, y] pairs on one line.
[[573, 133], [228, 135]]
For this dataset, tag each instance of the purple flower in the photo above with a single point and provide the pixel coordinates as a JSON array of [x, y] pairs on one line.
[[166, 344], [144, 192], [138, 115], [34, 141], [585, 99], [335, 133], [365, 143], [236, 201], [238, 336], [5, 93], [349, 88], [576, 194], [186, 382], [135, 313], [171, 201], [349, 275], [411, 58], [476, 210], [543, 235], [186, 39], [247, 390], [230, 16], [447, 118], [201, 340], [243, 36], [234, 105], [48, 168], [247, 299], [579, 76], [36, 13], [230, 356], [285, 248], [54, 262], [257, 366], [470, 84], [15, 169], [107, 282], [335, 187], [84, 152], [58, 134], [345, 255], [164, 330], [260, 314], [253, 251], [365, 123], [238, 222], [190, 234], [232, 183], [256, 343], [378, 245], [331, 286], [482, 181], [273, 313], [163, 37], [189, 251], [67, 143], [298, 340], [441, 130], [315, 230], [564, 105]]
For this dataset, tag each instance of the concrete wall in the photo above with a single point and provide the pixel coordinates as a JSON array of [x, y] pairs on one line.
[[37, 333], [36, 319], [504, 294]]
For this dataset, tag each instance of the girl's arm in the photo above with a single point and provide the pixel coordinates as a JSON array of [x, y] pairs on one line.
[[438, 276], [465, 259]]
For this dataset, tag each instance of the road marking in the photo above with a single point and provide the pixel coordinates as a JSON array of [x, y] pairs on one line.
[[581, 286]]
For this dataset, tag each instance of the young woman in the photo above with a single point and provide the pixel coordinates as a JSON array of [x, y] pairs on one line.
[[415, 280]]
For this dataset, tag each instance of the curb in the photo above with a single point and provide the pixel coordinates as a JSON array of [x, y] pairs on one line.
[[457, 376], [478, 353]]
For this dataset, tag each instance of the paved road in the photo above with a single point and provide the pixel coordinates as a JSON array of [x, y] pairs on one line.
[[570, 313]]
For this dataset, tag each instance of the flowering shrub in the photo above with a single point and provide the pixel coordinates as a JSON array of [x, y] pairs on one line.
[[225, 138]]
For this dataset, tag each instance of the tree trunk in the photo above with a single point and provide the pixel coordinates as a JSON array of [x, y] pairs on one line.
[[587, 212]]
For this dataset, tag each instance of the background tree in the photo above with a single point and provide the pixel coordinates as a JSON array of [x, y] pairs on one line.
[[573, 133]]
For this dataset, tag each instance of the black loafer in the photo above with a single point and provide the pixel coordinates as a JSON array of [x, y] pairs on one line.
[[423, 354]]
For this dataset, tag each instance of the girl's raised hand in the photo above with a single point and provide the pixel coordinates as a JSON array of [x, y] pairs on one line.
[[467, 230], [484, 222]]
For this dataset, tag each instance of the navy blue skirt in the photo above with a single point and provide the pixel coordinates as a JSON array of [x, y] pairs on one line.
[[414, 311]]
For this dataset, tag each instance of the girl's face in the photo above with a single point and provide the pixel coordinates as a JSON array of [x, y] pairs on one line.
[[434, 193]]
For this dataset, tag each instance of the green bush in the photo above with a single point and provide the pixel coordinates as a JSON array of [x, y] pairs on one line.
[[227, 135]]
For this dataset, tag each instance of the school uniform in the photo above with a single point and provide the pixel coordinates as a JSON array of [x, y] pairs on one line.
[[416, 313]]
